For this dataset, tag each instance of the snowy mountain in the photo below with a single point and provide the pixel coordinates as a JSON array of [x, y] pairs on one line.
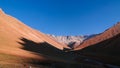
[[71, 41]]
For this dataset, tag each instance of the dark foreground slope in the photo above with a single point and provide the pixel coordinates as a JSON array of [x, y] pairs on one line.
[[106, 51]]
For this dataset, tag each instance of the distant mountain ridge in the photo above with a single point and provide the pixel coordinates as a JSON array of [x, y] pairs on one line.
[[71, 41]]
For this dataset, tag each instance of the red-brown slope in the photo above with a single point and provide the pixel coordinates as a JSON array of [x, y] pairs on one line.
[[11, 30], [111, 32]]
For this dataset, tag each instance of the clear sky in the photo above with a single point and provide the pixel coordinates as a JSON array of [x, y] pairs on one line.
[[65, 17]]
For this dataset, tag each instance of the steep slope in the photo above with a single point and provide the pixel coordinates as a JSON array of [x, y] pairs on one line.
[[103, 48], [107, 51], [11, 32], [109, 33]]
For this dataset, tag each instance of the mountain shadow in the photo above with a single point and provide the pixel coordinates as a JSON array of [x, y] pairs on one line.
[[44, 48], [56, 57], [107, 51]]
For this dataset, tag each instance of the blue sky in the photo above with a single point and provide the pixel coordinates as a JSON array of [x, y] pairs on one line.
[[65, 17]]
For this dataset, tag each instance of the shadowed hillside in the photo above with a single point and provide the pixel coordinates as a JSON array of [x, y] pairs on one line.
[[109, 33], [55, 58], [107, 51], [45, 49], [103, 47]]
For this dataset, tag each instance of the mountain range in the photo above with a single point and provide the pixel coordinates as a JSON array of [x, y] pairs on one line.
[[71, 41], [24, 47]]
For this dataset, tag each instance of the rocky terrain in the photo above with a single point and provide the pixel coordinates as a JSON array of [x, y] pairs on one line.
[[71, 41]]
